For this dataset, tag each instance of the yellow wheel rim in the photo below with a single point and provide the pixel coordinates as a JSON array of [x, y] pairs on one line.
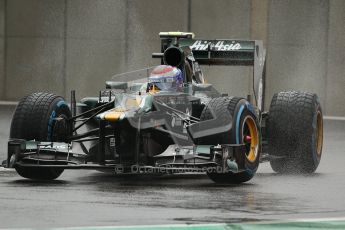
[[249, 125], [319, 133]]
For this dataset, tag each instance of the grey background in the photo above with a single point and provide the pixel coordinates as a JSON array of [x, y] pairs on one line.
[[59, 45]]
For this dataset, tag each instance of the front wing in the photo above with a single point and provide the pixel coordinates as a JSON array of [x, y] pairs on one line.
[[175, 159]]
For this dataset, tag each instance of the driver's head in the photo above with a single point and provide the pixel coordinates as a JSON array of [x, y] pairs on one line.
[[166, 78]]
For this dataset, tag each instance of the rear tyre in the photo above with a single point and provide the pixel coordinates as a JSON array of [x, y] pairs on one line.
[[295, 132], [244, 124], [35, 119]]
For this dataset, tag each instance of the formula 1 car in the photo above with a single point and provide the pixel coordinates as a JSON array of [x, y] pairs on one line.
[[167, 119]]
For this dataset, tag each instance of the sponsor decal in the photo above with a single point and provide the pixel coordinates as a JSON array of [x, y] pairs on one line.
[[139, 169], [112, 142], [203, 45], [62, 146]]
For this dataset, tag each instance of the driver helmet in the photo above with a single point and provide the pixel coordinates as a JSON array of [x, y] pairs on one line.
[[166, 78]]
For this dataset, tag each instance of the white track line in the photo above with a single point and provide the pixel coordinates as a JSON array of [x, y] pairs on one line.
[[192, 226], [8, 102], [321, 219], [3, 169], [296, 220], [334, 118]]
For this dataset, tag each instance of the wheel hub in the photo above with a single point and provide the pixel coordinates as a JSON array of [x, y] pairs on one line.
[[250, 138]]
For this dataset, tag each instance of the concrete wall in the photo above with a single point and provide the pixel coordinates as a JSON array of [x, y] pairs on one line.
[[59, 45], [335, 84], [297, 51], [2, 49], [145, 20], [210, 20], [95, 44], [34, 47]]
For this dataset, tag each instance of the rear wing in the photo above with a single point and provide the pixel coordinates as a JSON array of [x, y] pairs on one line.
[[224, 52]]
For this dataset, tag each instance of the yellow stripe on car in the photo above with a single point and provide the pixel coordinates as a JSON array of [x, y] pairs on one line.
[[114, 114]]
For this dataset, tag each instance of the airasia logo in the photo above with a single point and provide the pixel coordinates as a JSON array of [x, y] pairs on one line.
[[219, 46]]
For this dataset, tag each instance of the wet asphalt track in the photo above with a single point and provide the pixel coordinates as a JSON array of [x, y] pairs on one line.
[[90, 198]]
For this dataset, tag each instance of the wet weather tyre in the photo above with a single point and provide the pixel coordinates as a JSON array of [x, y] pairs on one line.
[[295, 132], [34, 119], [243, 122]]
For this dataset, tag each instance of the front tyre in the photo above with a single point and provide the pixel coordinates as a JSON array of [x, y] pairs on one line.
[[35, 118], [295, 132], [244, 130]]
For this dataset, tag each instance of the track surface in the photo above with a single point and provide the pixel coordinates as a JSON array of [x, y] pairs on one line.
[[90, 198]]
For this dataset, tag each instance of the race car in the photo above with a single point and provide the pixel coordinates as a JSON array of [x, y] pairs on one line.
[[167, 119]]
